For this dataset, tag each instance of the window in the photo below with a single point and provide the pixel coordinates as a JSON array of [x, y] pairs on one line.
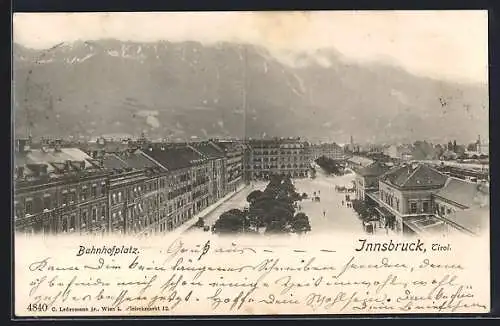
[[84, 218], [94, 214], [426, 207], [413, 208], [120, 197], [47, 203], [18, 210], [28, 207], [94, 191], [64, 224], [442, 211], [84, 193], [72, 197], [72, 222], [113, 198]]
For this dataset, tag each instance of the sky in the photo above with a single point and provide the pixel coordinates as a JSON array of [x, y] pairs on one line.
[[451, 45]]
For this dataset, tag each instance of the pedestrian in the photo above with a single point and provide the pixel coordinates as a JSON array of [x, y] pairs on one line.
[[324, 213], [342, 203]]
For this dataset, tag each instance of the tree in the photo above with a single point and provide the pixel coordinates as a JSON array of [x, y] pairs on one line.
[[362, 209], [460, 150], [450, 146], [472, 147], [438, 151], [253, 196], [233, 221], [300, 223], [272, 208]]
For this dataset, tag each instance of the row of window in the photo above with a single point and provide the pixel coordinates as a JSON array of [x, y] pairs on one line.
[[283, 166], [443, 210], [87, 221], [48, 202], [389, 199]]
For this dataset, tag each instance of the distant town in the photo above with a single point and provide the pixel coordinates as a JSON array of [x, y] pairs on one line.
[[145, 187]]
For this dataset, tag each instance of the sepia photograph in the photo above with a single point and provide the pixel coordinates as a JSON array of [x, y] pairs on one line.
[[255, 163]]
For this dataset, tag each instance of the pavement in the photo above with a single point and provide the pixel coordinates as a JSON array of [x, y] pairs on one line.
[[337, 217], [219, 206], [238, 201]]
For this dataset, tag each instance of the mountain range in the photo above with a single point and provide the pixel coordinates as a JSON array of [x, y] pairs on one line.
[[191, 90]]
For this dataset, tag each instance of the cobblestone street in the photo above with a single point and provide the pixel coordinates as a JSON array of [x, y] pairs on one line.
[[337, 218]]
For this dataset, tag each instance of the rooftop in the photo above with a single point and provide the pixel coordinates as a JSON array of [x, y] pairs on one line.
[[50, 155], [174, 158], [375, 169], [361, 160], [208, 150], [465, 193], [113, 162], [425, 224], [473, 220], [414, 176], [137, 160]]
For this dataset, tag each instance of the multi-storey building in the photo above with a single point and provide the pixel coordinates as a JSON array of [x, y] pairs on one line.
[[285, 156], [366, 179], [405, 198], [188, 181], [358, 162], [233, 152], [135, 201], [217, 168], [59, 190], [328, 150], [459, 197]]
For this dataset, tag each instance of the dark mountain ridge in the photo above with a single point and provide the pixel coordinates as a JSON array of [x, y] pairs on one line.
[[184, 90]]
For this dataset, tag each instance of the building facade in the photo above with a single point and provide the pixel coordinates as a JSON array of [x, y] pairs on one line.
[[459, 196], [284, 156], [328, 150], [366, 179], [59, 190], [216, 168], [405, 198], [234, 154], [188, 183]]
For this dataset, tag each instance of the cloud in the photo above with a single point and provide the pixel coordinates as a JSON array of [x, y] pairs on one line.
[[443, 44], [153, 122]]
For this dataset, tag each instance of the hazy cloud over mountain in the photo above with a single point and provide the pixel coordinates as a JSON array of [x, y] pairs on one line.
[[184, 89], [440, 44]]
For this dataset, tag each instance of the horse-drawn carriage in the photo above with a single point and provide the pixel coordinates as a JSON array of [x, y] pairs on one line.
[[344, 189]]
